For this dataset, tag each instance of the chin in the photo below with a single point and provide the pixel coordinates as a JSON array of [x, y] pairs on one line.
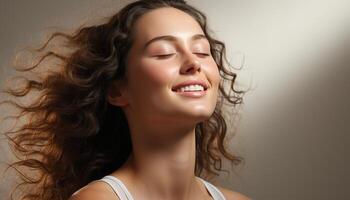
[[201, 117]]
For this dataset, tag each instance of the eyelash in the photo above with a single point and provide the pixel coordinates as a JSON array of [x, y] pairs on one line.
[[168, 55]]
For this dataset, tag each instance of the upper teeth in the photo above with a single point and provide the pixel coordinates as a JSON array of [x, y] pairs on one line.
[[191, 88]]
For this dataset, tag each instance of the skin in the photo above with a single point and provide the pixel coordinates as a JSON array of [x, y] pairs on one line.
[[162, 122]]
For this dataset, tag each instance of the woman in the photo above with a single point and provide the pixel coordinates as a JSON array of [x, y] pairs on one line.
[[134, 112]]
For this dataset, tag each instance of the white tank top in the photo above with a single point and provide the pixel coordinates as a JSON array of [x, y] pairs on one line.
[[123, 193]]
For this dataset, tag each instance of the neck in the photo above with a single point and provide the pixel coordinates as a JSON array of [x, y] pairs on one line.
[[163, 163]]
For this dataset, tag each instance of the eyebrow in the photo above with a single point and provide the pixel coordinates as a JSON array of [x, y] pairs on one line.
[[173, 38]]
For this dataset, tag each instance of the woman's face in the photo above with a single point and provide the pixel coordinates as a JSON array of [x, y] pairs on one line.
[[151, 77]]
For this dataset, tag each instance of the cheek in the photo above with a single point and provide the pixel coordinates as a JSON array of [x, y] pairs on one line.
[[213, 72], [150, 75], [158, 73]]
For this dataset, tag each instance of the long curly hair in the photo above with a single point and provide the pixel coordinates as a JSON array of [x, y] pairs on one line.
[[71, 135]]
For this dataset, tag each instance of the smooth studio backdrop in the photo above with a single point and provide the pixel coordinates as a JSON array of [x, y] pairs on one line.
[[294, 124]]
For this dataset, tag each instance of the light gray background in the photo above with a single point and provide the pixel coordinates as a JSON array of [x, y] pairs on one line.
[[294, 125]]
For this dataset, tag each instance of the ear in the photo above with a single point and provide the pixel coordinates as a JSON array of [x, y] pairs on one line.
[[116, 94]]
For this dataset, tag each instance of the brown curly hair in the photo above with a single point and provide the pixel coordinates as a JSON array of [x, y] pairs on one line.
[[69, 135]]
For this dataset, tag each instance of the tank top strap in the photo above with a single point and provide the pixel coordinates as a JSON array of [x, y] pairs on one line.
[[214, 191], [123, 193], [118, 187]]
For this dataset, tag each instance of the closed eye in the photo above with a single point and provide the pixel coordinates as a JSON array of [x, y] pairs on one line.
[[164, 56], [202, 54]]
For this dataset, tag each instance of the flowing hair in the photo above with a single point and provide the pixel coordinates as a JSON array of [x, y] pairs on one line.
[[71, 135]]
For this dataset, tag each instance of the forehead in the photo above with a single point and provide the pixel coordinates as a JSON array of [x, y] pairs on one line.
[[165, 21]]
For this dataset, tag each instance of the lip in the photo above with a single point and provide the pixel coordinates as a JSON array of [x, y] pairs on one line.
[[195, 94], [191, 82]]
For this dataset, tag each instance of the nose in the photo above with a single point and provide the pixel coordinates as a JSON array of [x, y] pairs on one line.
[[191, 64]]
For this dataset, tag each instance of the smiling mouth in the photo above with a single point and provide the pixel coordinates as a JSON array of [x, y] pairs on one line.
[[178, 91], [191, 94]]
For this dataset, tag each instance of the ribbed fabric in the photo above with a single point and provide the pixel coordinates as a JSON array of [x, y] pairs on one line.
[[118, 187], [214, 192], [123, 193]]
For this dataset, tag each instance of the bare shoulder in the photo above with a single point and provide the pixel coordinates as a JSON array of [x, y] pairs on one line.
[[232, 195], [94, 190]]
